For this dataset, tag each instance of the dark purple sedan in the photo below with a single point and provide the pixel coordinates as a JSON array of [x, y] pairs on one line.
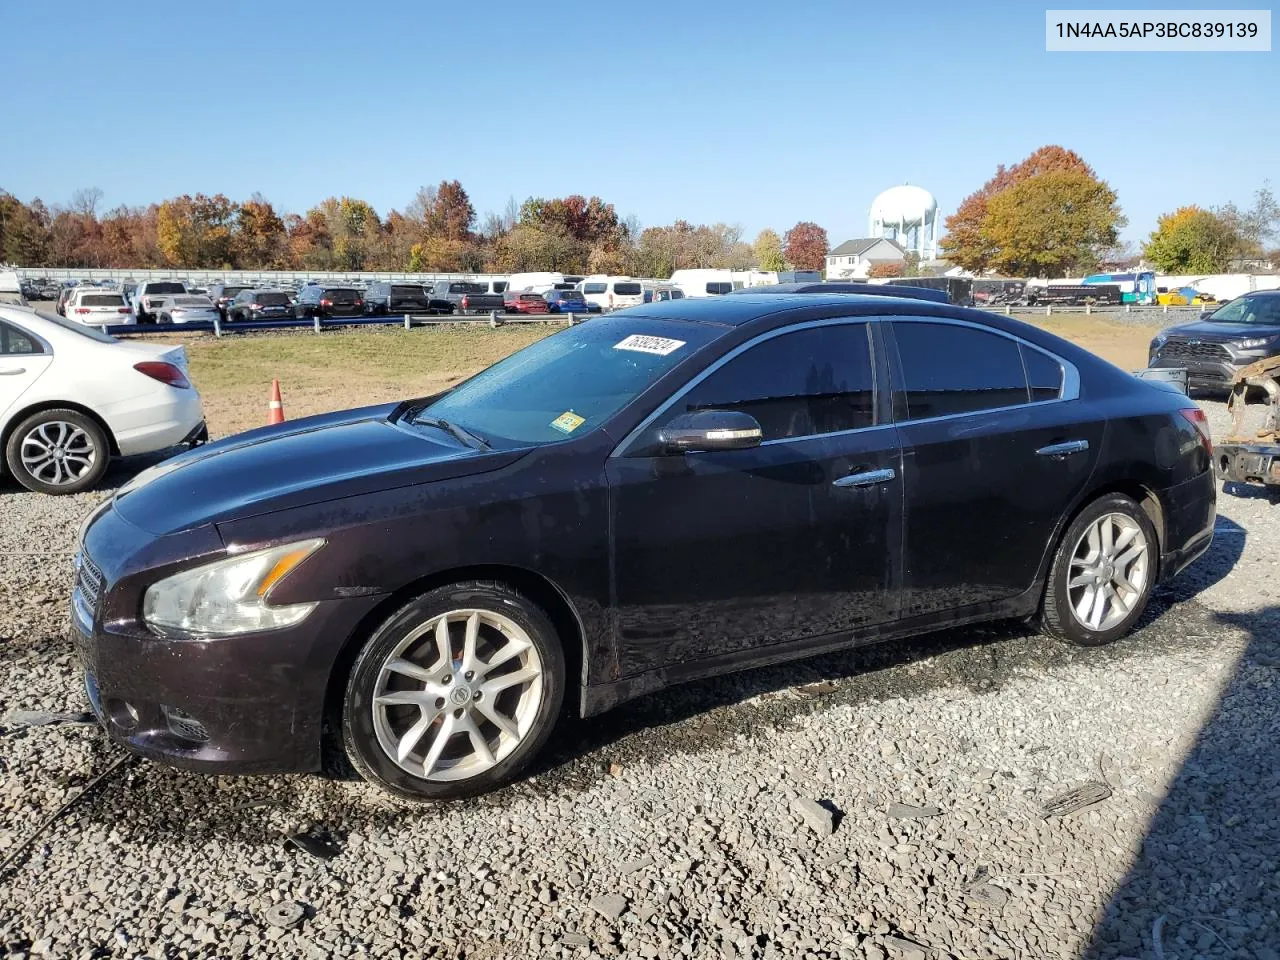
[[675, 491]]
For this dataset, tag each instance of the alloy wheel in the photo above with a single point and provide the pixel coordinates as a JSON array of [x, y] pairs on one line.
[[457, 695], [1110, 565], [58, 453]]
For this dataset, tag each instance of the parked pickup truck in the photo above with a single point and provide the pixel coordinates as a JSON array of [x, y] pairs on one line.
[[464, 296]]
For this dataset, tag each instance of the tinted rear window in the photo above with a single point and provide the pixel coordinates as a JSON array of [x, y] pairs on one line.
[[231, 291], [593, 288], [102, 300], [406, 290], [948, 370], [627, 289], [192, 302], [718, 287], [345, 294], [463, 287], [152, 288], [272, 299]]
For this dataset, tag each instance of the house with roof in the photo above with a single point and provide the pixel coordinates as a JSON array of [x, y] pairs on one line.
[[853, 259]]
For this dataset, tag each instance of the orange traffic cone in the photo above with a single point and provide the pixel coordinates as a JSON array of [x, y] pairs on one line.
[[275, 409]]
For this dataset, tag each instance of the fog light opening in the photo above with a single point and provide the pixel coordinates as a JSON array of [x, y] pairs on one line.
[[184, 725], [123, 714]]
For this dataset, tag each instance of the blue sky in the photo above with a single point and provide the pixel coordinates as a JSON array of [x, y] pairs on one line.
[[750, 113]]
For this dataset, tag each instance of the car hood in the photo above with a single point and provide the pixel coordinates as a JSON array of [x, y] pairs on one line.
[[1222, 332], [301, 462]]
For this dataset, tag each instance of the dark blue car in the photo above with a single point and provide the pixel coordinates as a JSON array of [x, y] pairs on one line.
[[566, 301]]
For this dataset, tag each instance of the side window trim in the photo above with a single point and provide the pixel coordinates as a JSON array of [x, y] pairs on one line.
[[875, 344], [1070, 375]]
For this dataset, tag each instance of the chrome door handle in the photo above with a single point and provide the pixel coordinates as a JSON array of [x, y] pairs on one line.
[[868, 478], [1064, 449], [13, 373]]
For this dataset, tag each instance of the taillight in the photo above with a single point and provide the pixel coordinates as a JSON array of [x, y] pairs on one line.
[[1197, 418], [164, 372], [358, 303], [326, 303], [123, 310], [255, 306], [82, 309]]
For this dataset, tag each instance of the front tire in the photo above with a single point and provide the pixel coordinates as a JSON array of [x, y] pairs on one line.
[[1102, 574], [454, 693], [58, 452]]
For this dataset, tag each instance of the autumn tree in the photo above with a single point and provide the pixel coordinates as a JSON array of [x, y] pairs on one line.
[[259, 236], [1193, 240], [887, 268], [967, 243], [805, 246], [768, 251], [196, 231], [1051, 224]]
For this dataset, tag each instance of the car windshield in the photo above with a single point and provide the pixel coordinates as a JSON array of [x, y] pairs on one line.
[[91, 332], [1262, 310], [571, 382]]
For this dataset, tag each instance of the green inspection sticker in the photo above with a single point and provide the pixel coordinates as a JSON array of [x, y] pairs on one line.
[[568, 422]]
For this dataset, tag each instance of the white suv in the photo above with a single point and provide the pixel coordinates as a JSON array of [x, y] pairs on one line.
[[98, 305], [146, 299]]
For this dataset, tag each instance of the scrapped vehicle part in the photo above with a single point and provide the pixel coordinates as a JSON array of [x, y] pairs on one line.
[[320, 847], [21, 719], [1075, 799], [285, 914], [1254, 458]]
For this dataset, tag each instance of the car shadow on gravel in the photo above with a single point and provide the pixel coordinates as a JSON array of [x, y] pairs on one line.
[[706, 714], [1206, 882]]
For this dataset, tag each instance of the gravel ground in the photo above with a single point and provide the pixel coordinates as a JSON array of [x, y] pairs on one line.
[[884, 803]]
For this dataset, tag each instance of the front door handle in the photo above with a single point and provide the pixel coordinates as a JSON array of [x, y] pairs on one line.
[[1064, 449], [13, 372], [868, 478]]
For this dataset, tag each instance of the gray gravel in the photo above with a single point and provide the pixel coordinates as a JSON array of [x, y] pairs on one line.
[[894, 811]]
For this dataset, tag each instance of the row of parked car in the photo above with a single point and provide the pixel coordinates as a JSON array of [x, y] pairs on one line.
[[173, 301]]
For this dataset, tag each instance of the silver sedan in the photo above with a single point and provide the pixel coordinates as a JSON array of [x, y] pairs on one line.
[[186, 308]]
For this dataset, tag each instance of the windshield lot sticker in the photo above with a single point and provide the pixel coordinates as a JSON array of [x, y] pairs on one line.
[[642, 344], [568, 422]]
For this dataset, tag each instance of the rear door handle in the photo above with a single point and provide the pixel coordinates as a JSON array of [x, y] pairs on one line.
[[868, 478], [13, 372], [1064, 449]]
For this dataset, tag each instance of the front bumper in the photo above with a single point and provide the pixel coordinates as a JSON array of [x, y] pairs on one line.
[[247, 704], [1248, 462], [1201, 374]]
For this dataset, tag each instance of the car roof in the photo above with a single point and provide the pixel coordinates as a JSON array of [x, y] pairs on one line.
[[827, 287], [746, 307]]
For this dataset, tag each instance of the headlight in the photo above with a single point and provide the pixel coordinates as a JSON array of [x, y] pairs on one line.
[[1255, 342], [1159, 341], [228, 596]]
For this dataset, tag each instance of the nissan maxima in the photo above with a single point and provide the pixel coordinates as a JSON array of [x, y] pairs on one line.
[[671, 492]]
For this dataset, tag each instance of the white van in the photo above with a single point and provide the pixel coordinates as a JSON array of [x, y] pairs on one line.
[[658, 292], [706, 283], [612, 293]]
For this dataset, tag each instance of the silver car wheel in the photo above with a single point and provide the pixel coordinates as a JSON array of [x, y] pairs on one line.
[[457, 695], [1110, 566], [58, 453]]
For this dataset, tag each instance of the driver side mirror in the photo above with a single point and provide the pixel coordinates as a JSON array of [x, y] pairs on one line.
[[708, 430]]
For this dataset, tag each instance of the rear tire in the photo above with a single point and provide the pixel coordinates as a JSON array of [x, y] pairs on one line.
[[1102, 574], [58, 452], [490, 682]]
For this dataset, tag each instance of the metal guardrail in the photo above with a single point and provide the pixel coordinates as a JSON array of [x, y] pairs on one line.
[[319, 324]]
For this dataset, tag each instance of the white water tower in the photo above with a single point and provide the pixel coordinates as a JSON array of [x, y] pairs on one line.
[[909, 215]]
